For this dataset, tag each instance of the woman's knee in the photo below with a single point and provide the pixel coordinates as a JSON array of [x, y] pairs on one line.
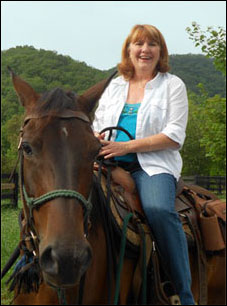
[[158, 212]]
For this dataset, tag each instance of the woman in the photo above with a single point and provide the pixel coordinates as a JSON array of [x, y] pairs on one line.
[[152, 105]]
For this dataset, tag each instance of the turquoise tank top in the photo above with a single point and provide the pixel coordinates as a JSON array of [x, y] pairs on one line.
[[127, 120]]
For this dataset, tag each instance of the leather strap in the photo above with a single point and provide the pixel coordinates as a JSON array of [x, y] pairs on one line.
[[201, 260], [67, 113], [138, 275], [191, 219]]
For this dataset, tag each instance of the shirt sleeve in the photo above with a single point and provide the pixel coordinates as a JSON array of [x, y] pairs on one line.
[[98, 122], [177, 114]]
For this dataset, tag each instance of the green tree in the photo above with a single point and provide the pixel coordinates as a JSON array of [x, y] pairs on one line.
[[208, 114], [213, 130], [193, 153], [10, 140], [204, 151], [212, 43]]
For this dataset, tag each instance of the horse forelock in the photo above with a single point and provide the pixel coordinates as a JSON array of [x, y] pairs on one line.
[[56, 100]]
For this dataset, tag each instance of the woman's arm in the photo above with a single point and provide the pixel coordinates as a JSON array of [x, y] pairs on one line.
[[147, 144]]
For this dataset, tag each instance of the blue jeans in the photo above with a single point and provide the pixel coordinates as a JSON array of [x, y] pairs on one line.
[[157, 194]]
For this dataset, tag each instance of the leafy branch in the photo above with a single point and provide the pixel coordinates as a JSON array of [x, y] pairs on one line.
[[212, 43]]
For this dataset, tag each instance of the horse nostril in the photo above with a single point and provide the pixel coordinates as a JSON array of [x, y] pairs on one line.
[[82, 261], [65, 266], [49, 261], [86, 257]]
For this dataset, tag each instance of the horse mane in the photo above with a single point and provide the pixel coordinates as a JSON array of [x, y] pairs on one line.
[[56, 100]]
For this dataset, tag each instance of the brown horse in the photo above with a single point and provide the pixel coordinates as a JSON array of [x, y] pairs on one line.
[[59, 150]]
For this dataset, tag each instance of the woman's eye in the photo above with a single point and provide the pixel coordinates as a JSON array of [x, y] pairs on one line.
[[26, 148]]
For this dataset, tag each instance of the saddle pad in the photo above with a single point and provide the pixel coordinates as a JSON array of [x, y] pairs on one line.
[[119, 210]]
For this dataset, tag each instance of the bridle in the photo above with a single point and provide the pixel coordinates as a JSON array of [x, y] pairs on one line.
[[34, 203]]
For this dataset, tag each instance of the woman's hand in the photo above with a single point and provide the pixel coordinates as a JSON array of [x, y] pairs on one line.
[[151, 143], [111, 148], [99, 136]]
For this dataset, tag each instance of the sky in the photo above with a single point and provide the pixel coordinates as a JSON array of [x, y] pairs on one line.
[[94, 31]]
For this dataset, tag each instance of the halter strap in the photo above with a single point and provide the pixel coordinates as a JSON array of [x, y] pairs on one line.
[[66, 193]]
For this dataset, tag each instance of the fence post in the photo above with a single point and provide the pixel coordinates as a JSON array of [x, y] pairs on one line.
[[196, 180], [15, 179], [10, 189]]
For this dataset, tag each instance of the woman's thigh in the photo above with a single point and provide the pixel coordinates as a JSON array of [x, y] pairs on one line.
[[157, 192]]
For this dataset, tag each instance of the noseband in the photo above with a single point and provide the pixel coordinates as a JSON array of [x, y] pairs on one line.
[[66, 193]]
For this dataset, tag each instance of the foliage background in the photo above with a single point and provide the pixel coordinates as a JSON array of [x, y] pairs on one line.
[[204, 149]]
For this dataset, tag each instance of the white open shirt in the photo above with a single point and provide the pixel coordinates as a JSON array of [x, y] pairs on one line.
[[164, 109]]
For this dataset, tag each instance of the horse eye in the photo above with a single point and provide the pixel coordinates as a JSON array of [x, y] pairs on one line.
[[26, 148]]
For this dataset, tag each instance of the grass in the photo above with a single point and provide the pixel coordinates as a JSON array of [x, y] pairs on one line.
[[222, 197], [9, 241]]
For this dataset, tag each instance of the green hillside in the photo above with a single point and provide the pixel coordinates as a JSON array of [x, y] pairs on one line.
[[195, 69], [45, 70]]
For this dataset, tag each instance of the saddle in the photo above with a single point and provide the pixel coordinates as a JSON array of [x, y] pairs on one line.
[[206, 213], [202, 214]]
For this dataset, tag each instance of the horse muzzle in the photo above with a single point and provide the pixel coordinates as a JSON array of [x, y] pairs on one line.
[[64, 267]]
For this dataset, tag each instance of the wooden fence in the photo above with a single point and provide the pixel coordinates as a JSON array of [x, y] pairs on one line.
[[9, 190], [216, 184]]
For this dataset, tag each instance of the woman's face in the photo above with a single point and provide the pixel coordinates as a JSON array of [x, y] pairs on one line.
[[144, 54]]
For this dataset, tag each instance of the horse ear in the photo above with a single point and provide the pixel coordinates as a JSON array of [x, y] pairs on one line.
[[93, 94], [25, 92]]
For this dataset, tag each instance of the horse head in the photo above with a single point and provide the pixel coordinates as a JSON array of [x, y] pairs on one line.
[[58, 149]]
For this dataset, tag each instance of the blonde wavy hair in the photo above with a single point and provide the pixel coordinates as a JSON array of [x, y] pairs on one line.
[[143, 32]]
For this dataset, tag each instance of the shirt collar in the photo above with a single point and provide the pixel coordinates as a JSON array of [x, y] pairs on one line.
[[151, 84], [154, 82]]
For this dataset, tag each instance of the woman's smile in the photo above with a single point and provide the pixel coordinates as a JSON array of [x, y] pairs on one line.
[[144, 52], [145, 58]]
